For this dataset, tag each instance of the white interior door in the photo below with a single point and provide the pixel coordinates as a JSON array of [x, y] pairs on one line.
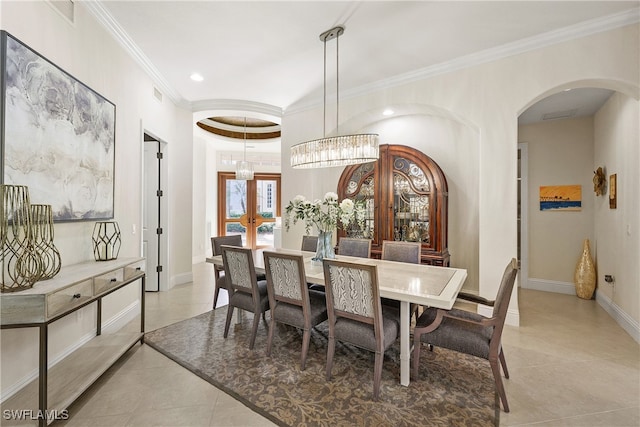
[[152, 227]]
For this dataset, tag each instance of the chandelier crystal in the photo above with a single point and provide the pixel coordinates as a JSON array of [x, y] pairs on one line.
[[340, 150]]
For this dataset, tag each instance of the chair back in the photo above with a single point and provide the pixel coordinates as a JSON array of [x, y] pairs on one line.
[[231, 240], [240, 271], [401, 251], [505, 290], [352, 292], [286, 280], [351, 246], [309, 243]]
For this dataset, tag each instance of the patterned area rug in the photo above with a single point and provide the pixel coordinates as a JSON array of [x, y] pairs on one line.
[[453, 389]]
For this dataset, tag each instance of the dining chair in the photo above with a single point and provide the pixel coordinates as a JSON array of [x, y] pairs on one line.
[[219, 279], [352, 246], [309, 243], [470, 332], [290, 300], [245, 291], [401, 251], [355, 313]]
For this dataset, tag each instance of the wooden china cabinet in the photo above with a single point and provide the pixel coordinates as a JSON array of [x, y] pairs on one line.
[[406, 198]]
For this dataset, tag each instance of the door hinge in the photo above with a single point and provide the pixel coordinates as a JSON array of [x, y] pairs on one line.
[[159, 230], [159, 193], [159, 269], [159, 155]]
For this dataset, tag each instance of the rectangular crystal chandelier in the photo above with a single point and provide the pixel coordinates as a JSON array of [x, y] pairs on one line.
[[338, 150]]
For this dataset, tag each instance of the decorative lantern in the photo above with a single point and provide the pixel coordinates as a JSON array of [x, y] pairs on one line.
[[42, 230], [21, 265], [106, 240]]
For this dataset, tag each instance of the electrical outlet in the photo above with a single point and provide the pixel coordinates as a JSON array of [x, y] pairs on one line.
[[609, 279]]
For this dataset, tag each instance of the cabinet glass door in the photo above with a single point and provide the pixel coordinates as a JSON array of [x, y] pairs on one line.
[[411, 202], [361, 186]]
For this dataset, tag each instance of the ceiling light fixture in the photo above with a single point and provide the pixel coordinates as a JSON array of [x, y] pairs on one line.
[[244, 169], [340, 150]]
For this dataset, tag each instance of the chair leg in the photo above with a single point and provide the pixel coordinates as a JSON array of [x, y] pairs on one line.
[[228, 322], [215, 296], [499, 386], [377, 374], [331, 347], [254, 330], [416, 356], [503, 362], [272, 326], [306, 337]]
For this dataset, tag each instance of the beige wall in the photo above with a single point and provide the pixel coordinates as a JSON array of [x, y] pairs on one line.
[[560, 153], [617, 150], [86, 51]]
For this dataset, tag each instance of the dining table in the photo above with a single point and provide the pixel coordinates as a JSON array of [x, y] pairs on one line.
[[408, 283]]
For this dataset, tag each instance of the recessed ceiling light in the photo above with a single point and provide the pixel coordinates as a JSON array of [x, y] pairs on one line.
[[387, 112], [196, 77]]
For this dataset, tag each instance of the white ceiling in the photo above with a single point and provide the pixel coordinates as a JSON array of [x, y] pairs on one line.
[[266, 56]]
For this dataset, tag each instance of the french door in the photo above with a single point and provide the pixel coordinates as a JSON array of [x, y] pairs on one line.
[[249, 208]]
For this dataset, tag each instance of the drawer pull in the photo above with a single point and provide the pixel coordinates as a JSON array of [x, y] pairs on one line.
[[138, 268], [76, 296], [114, 280]]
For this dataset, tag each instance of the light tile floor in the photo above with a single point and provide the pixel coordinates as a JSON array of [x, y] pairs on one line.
[[570, 365]]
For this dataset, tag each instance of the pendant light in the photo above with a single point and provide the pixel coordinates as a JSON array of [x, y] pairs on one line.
[[340, 150], [244, 169]]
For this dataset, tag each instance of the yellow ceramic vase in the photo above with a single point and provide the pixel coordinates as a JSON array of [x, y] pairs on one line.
[[585, 274]]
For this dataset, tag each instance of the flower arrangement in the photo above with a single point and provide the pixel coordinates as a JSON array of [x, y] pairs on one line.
[[325, 214]]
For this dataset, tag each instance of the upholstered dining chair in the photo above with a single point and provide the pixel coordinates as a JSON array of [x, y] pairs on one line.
[[219, 280], [352, 246], [309, 243], [401, 251], [290, 300], [469, 332], [245, 291], [355, 313]]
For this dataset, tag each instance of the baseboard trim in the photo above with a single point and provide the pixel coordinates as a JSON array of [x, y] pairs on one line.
[[549, 286], [113, 324], [181, 279], [625, 321]]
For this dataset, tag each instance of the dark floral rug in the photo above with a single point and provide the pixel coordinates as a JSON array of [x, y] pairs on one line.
[[453, 389]]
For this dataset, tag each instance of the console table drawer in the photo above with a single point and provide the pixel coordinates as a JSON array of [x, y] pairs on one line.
[[108, 281], [67, 298], [134, 269]]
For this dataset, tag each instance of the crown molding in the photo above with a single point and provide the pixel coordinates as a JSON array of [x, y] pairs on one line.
[[572, 32], [112, 26]]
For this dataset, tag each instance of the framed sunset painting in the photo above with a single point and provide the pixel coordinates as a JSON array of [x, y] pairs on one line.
[[560, 197]]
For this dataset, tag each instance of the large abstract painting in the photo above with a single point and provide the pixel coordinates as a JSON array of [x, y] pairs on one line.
[[58, 136]]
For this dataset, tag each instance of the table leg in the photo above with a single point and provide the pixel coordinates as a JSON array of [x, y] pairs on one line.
[[405, 343]]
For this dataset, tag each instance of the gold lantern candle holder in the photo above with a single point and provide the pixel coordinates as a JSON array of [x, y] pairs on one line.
[[42, 230], [21, 264], [106, 240]]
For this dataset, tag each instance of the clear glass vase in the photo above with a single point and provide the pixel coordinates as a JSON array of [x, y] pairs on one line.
[[325, 246]]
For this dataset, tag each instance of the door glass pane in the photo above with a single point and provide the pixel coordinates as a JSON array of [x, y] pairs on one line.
[[361, 187], [266, 205], [236, 228], [236, 208]]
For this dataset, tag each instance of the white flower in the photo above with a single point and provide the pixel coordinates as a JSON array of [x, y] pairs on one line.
[[331, 197], [325, 214]]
